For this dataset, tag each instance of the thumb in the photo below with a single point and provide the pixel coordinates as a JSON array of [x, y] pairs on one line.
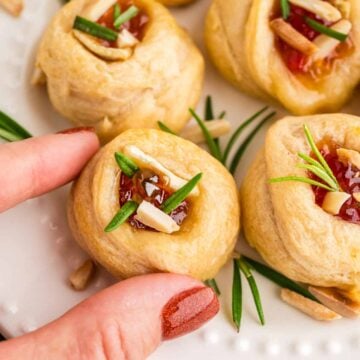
[[125, 321]]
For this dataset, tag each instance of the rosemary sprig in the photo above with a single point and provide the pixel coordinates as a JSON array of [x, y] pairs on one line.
[[245, 269], [213, 284], [325, 30], [236, 295], [242, 148], [213, 147], [124, 213], [127, 166], [9, 136], [127, 15], [278, 278], [316, 151], [180, 195], [238, 132], [285, 9], [11, 126], [94, 29], [165, 128], [319, 168]]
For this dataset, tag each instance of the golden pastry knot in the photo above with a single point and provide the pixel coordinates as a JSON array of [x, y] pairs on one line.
[[119, 201], [306, 181], [117, 64], [303, 53]]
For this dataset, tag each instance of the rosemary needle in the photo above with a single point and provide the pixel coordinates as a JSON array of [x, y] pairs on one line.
[[127, 166], [279, 279], [213, 147], [124, 213], [94, 29], [240, 152], [212, 283], [238, 132], [300, 179], [285, 8], [180, 195], [165, 128], [244, 267], [9, 136], [236, 296], [9, 124]]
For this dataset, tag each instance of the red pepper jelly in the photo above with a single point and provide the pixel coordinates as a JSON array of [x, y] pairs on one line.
[[136, 26], [149, 187], [348, 178], [296, 61]]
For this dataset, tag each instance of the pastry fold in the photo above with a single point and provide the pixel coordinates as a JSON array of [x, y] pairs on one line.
[[282, 221], [242, 45], [207, 236], [160, 80]]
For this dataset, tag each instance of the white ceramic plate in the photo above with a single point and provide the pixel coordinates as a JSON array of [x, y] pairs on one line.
[[37, 252]]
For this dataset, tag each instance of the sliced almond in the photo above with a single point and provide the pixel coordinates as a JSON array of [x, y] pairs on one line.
[[95, 9], [321, 8], [334, 200], [336, 301], [126, 39], [217, 128], [14, 7], [309, 307], [146, 161], [343, 6], [292, 37], [352, 139], [81, 277], [349, 157], [326, 44], [38, 77], [153, 217], [103, 52], [356, 196]]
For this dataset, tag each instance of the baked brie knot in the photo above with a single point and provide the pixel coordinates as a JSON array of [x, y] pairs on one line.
[[308, 58], [130, 75], [155, 240], [309, 233]]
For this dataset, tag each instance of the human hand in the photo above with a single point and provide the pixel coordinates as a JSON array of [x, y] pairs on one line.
[[126, 321]]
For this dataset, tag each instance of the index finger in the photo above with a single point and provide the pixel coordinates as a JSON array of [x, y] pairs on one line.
[[35, 166]]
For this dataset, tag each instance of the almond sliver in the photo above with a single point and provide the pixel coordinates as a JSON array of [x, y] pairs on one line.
[[153, 217], [309, 307], [326, 44], [292, 37], [14, 7], [321, 8], [334, 200], [95, 9], [336, 301], [216, 129]]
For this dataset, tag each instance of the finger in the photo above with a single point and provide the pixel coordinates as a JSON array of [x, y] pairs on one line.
[[125, 321], [35, 166]]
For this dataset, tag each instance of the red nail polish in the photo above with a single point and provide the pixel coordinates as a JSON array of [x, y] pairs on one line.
[[188, 311], [77, 130]]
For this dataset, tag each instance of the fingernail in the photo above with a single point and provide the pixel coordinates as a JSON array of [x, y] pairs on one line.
[[188, 311], [77, 130]]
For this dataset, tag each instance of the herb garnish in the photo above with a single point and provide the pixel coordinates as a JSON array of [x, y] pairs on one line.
[[127, 15], [10, 130], [319, 168], [180, 195], [236, 295], [124, 213], [285, 8], [127, 166], [94, 29], [325, 30]]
